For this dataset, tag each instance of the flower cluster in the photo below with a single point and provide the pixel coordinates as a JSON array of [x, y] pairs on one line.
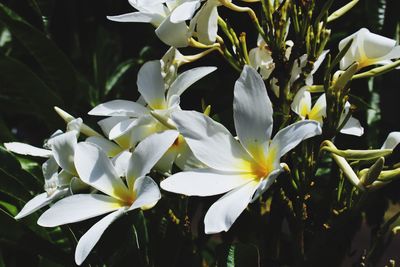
[[88, 174]]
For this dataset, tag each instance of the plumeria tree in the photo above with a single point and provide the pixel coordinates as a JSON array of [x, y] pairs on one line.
[[267, 185]]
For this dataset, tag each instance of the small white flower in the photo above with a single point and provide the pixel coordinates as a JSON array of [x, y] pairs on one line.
[[301, 105], [241, 170], [368, 49], [98, 171], [261, 59]]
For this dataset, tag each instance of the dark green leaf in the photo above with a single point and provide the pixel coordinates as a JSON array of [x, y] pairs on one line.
[[59, 70]]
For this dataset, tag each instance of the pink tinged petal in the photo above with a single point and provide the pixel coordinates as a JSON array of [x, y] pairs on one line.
[[147, 193], [92, 236], [224, 212], [173, 34], [63, 147], [252, 112], [207, 23], [204, 182], [292, 135], [110, 148], [78, 208], [352, 127], [39, 202], [25, 149], [392, 140], [186, 79], [151, 84], [97, 170], [184, 11], [119, 108], [210, 141], [148, 152]]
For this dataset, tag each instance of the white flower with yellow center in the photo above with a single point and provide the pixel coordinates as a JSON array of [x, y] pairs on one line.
[[243, 170], [134, 121], [368, 49], [98, 171], [302, 106]]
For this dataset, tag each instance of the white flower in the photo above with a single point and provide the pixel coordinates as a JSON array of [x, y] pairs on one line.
[[98, 171], [261, 59], [167, 16], [133, 121], [61, 155], [301, 105], [368, 49], [241, 170]]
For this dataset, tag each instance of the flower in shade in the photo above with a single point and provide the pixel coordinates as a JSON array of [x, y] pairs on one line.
[[367, 49], [115, 196], [242, 169], [302, 106]]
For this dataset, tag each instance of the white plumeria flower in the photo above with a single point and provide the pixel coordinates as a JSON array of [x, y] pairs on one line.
[[261, 59], [60, 156], [241, 170], [368, 49], [135, 121], [98, 171], [302, 106], [205, 22], [167, 16]]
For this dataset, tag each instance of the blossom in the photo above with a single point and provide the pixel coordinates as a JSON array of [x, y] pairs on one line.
[[98, 171], [167, 16], [133, 121], [241, 170], [301, 105], [58, 183], [261, 59], [368, 49]]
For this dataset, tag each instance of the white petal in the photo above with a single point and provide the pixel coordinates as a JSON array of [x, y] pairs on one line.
[[301, 104], [319, 61], [110, 148], [121, 162], [210, 141], [376, 46], [39, 202], [207, 23], [173, 34], [352, 127], [290, 136], [63, 147], [151, 84], [391, 141], [147, 193], [92, 236], [97, 170], [203, 182], [148, 152], [78, 208], [50, 168], [266, 183], [123, 127], [137, 17], [119, 108], [25, 149], [318, 111], [184, 11], [186, 79], [108, 123], [224, 212], [252, 112]]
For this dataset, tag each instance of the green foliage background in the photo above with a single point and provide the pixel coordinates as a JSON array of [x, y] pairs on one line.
[[67, 54]]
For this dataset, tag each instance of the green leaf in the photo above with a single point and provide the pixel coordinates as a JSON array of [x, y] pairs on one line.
[[118, 74], [240, 255], [60, 72], [31, 91]]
